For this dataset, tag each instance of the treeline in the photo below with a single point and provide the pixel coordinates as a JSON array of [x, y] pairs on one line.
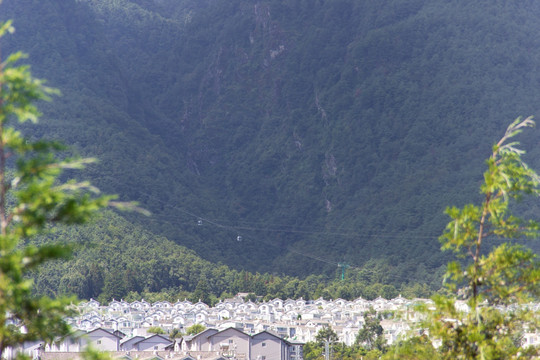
[[114, 259]]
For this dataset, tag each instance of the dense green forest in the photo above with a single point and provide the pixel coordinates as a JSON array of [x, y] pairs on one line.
[[114, 259], [317, 132]]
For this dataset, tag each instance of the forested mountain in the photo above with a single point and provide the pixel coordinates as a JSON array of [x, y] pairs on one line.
[[317, 132]]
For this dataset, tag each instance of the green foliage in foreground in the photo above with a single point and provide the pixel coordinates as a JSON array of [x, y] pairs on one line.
[[496, 285], [32, 196], [364, 347], [326, 334], [371, 335]]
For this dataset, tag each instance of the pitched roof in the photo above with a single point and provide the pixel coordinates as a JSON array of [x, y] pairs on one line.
[[269, 333], [154, 336], [104, 330], [230, 328], [133, 338], [202, 333]]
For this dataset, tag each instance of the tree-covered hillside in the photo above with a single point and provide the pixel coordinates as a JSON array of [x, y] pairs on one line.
[[317, 132], [114, 259]]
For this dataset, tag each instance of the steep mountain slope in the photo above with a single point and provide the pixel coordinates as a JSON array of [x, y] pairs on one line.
[[318, 131]]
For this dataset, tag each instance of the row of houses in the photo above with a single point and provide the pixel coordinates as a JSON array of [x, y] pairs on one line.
[[100, 339], [233, 343], [290, 319], [235, 328], [210, 344]]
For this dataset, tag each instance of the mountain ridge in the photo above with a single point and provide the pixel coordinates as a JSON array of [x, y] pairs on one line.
[[330, 130]]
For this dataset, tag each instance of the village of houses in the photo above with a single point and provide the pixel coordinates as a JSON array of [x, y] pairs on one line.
[[235, 329]]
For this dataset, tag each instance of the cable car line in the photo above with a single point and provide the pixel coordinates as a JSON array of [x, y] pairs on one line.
[[199, 220], [295, 229]]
